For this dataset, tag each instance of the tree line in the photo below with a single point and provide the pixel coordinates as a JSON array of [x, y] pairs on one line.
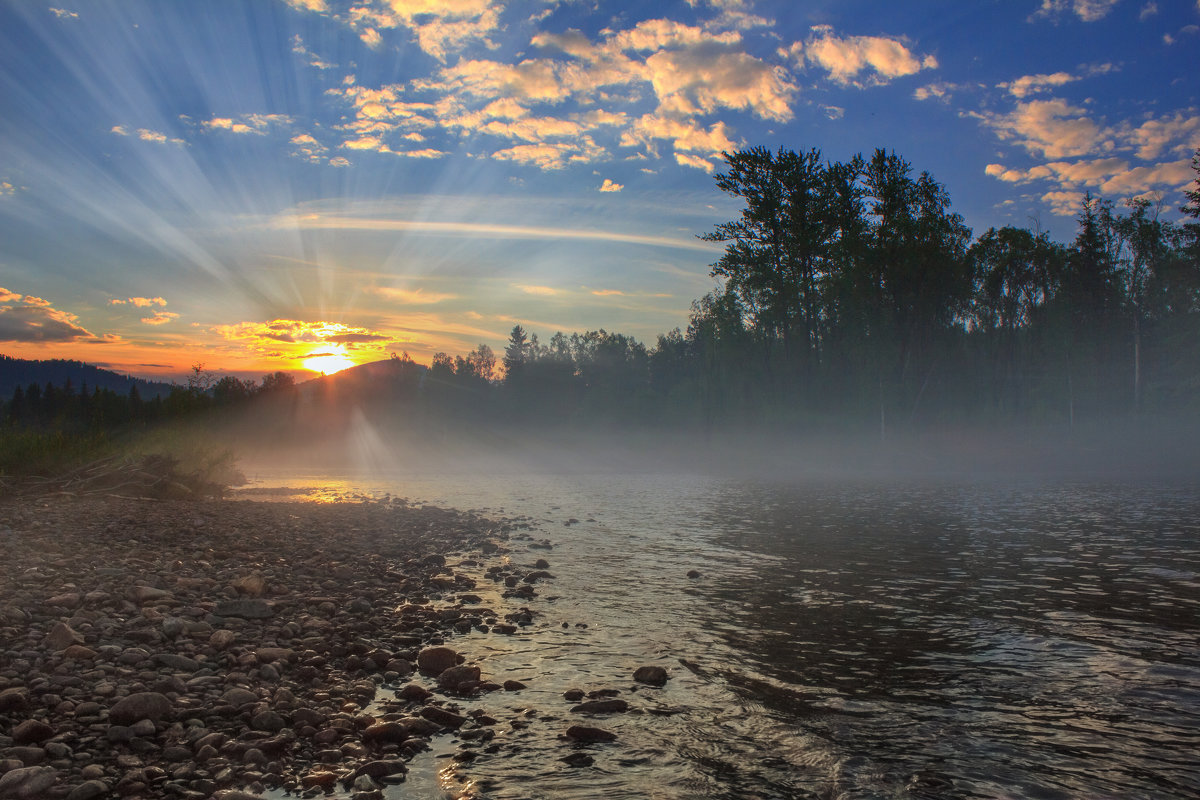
[[848, 293]]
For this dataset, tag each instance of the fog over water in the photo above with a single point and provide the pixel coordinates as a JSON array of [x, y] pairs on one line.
[[930, 617]]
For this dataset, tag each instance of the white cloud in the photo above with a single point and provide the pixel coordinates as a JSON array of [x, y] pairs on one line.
[[62, 13], [1086, 10], [694, 161], [609, 186], [1148, 10], [147, 135], [859, 60], [160, 318]]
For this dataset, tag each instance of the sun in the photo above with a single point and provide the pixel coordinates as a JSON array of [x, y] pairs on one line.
[[328, 362]]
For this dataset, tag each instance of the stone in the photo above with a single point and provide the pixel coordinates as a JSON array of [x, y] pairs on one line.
[[79, 652], [654, 676], [458, 678], [436, 660], [513, 686], [381, 768], [172, 627], [601, 707], [693, 573], [238, 696], [32, 731], [221, 639], [88, 790], [268, 721], [60, 637], [382, 732], [144, 595], [583, 733], [578, 760], [245, 608], [14, 698], [176, 661], [252, 585], [138, 706], [440, 716], [27, 782], [26, 756], [268, 655]]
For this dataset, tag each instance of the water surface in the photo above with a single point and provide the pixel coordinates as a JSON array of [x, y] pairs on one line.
[[843, 640]]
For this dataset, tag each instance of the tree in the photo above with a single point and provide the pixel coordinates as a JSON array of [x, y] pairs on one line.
[[516, 354]]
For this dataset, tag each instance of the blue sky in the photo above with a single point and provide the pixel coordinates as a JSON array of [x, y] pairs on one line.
[[249, 184]]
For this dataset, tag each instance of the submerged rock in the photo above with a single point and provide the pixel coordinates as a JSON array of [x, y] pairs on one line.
[[654, 676]]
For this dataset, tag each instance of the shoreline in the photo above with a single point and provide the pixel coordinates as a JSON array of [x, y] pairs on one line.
[[221, 648]]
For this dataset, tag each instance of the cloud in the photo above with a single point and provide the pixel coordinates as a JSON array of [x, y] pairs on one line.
[[309, 5], [296, 339], [1148, 10], [312, 58], [695, 161], [608, 293], [413, 296], [146, 302], [247, 123], [305, 146], [1086, 10], [609, 186], [160, 318], [7, 189], [1052, 128], [859, 60], [705, 78], [62, 13], [339, 161], [1064, 204], [541, 291], [35, 321]]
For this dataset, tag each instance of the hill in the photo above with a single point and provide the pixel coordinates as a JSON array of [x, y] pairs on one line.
[[21, 372]]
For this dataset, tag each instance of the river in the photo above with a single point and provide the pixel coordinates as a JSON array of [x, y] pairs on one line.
[[845, 639]]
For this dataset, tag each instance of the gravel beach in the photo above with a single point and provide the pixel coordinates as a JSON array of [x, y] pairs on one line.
[[197, 649]]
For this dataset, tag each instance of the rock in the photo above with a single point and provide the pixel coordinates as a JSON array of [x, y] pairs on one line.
[[386, 732], [176, 661], [88, 790], [436, 660], [79, 652], [138, 706], [459, 678], [601, 707], [246, 608], [32, 731], [513, 686], [325, 780], [381, 768], [693, 573], [440, 716], [172, 627], [655, 676], [252, 585], [238, 696], [414, 694], [60, 637], [144, 595], [23, 757], [27, 782], [268, 721], [583, 733], [221, 639], [14, 698], [578, 760], [267, 655], [574, 695]]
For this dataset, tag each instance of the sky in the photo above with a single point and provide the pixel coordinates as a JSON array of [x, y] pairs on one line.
[[258, 184]]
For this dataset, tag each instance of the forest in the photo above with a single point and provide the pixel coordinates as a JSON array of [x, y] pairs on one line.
[[849, 294]]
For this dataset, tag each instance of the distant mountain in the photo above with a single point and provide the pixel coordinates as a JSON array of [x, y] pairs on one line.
[[21, 372], [368, 378]]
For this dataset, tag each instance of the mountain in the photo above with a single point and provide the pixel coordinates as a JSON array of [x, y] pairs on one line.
[[21, 372]]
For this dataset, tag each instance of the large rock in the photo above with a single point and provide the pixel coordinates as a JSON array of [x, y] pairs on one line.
[[459, 678], [61, 636], [583, 733], [13, 698], [437, 660], [238, 696], [27, 782], [608, 706], [138, 706], [143, 595], [32, 731], [655, 676], [245, 608]]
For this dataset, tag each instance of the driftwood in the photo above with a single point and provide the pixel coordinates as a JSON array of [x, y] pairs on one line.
[[150, 476]]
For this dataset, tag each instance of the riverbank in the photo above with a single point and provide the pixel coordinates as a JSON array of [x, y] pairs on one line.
[[204, 648]]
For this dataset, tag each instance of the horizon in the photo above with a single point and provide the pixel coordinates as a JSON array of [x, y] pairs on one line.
[[306, 181]]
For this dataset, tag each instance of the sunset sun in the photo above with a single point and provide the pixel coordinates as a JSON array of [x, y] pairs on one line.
[[328, 362]]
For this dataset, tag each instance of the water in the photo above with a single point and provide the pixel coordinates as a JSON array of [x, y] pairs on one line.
[[843, 641]]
